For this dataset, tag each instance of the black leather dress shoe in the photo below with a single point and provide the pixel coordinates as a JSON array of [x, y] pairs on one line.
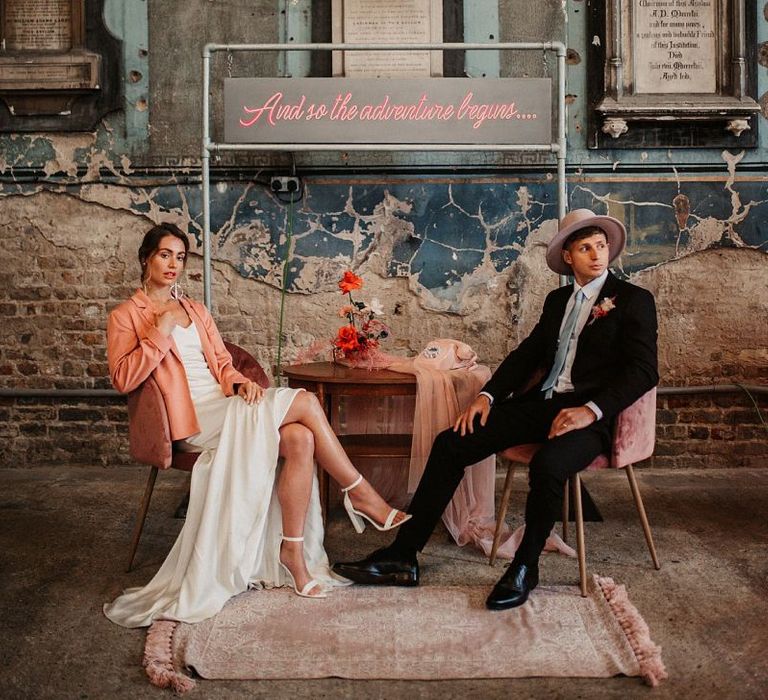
[[513, 587], [381, 568]]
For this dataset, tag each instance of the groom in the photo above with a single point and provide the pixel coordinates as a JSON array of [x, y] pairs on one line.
[[594, 353]]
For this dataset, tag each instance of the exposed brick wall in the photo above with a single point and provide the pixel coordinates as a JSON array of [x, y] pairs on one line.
[[63, 431], [53, 304], [67, 263], [721, 430], [692, 431]]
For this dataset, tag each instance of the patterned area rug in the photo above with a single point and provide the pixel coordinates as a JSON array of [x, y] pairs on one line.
[[409, 633]]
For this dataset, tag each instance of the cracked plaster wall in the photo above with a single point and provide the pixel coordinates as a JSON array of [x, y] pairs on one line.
[[457, 258], [462, 258]]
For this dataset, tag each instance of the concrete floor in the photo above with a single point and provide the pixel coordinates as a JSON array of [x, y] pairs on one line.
[[64, 534]]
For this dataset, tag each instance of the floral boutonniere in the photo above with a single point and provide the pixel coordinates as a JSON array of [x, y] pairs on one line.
[[602, 308]]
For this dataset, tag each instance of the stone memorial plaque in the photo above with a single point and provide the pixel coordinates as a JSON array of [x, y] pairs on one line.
[[37, 25], [388, 22], [675, 46], [672, 74], [54, 58], [55, 72]]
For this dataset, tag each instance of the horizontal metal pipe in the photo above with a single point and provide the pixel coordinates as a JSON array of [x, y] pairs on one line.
[[711, 389], [429, 46], [213, 147], [60, 393], [111, 393]]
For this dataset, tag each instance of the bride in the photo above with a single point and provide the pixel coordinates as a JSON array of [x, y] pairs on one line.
[[251, 522]]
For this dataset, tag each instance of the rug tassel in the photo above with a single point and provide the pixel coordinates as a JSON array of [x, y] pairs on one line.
[[158, 659], [636, 630]]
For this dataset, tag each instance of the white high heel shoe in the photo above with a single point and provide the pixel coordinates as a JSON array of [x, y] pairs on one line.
[[304, 592], [356, 516]]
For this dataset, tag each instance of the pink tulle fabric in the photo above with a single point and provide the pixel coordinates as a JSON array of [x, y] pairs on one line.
[[448, 379]]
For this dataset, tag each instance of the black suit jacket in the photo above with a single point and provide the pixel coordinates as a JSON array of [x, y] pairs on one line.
[[616, 360]]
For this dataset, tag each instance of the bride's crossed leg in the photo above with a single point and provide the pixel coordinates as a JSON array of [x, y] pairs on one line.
[[306, 436], [294, 488]]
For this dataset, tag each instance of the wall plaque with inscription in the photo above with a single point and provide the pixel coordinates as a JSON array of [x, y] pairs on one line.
[[387, 22], [672, 73], [37, 25], [675, 46], [47, 65]]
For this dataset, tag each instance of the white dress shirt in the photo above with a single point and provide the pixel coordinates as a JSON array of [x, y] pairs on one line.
[[591, 291]]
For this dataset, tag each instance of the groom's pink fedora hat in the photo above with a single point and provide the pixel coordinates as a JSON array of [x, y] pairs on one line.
[[578, 219]]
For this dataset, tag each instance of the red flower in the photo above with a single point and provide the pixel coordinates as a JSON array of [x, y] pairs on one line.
[[346, 339], [353, 343], [349, 282]]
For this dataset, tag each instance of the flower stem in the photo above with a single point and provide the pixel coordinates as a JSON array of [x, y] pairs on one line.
[[351, 314], [283, 289]]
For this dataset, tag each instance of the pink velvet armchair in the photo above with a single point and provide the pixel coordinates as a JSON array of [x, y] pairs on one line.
[[634, 437], [149, 434]]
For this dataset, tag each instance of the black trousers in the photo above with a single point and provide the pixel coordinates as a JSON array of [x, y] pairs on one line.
[[511, 422]]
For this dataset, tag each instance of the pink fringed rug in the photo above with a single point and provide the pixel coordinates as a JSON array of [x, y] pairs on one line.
[[409, 633]]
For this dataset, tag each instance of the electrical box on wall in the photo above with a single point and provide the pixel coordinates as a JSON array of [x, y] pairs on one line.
[[284, 185]]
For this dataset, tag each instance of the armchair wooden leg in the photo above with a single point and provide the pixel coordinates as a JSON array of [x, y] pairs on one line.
[[580, 550], [643, 517], [502, 514], [142, 515], [181, 510], [565, 513]]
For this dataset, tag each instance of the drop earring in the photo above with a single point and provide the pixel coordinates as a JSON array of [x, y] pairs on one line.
[[176, 291]]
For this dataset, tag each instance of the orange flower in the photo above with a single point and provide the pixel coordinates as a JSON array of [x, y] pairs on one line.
[[346, 339], [349, 282]]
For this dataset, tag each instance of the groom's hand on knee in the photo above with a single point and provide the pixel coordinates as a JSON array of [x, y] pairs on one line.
[[465, 423], [571, 419]]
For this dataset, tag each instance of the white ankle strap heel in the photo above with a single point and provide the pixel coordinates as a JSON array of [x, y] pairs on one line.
[[304, 592], [356, 516]]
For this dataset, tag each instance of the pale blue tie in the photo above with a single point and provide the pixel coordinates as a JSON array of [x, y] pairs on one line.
[[562, 345]]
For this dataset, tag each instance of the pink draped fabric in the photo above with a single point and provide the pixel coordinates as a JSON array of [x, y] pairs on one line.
[[448, 379], [441, 395]]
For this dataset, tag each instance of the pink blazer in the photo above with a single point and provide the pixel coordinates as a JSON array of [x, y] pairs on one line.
[[136, 349]]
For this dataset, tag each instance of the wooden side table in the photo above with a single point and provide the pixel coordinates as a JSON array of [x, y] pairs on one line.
[[330, 381]]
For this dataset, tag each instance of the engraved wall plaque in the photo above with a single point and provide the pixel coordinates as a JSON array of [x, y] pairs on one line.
[[672, 74], [387, 22], [675, 46], [37, 25], [51, 71], [42, 49]]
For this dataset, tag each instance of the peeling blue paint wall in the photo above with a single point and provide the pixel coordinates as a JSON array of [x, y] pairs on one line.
[[440, 231], [447, 227]]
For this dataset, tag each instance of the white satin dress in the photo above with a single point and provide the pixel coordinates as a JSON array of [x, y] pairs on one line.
[[231, 537]]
